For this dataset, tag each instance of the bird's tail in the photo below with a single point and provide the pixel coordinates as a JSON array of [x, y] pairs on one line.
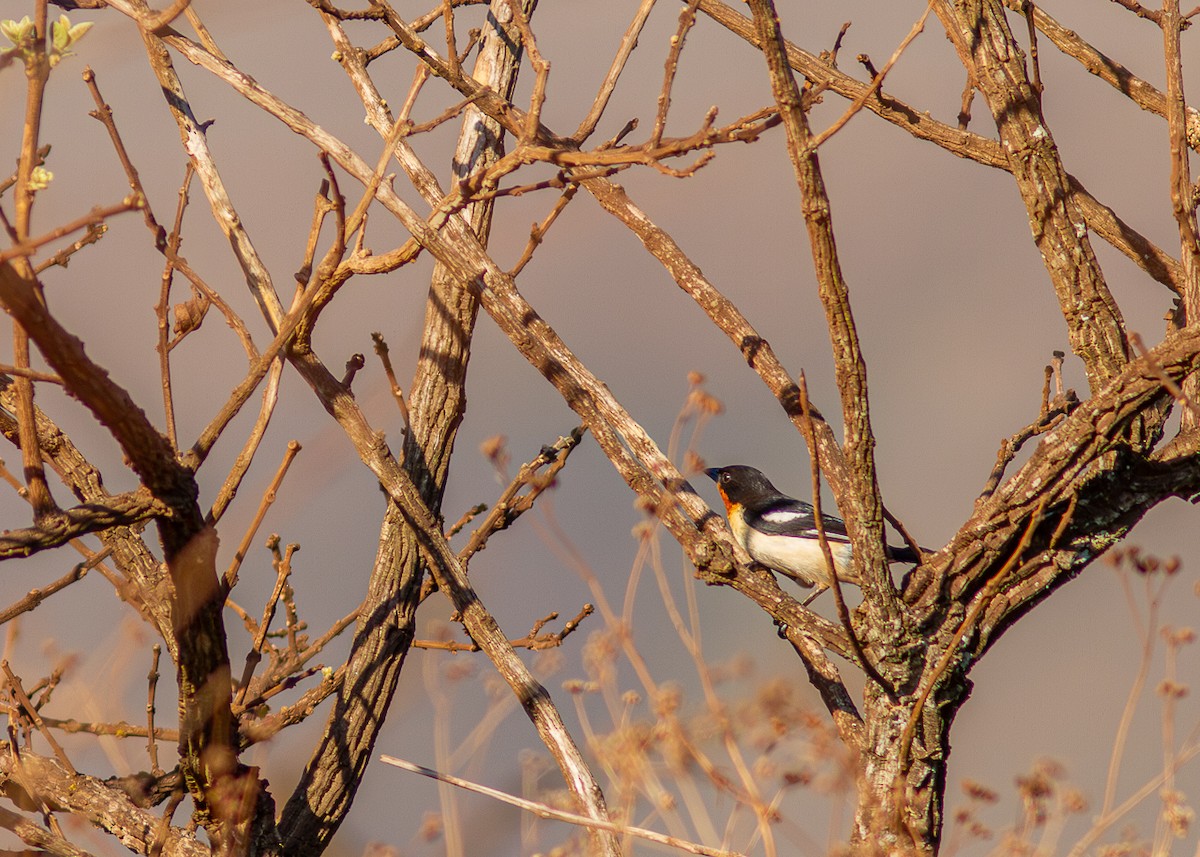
[[905, 554]]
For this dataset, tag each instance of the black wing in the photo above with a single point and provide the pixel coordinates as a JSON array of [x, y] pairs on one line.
[[795, 518]]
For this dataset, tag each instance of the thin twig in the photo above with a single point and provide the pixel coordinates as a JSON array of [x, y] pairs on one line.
[[876, 83], [206, 38], [245, 458], [512, 504], [451, 42], [381, 349], [544, 811], [162, 308], [1170, 386], [687, 19], [537, 232], [37, 72], [36, 596], [254, 656], [268, 498], [628, 43], [151, 691], [18, 692], [93, 218], [835, 584], [467, 517], [103, 113], [322, 206], [535, 640], [63, 257], [1183, 202], [45, 841], [163, 828], [31, 374], [1035, 65], [541, 69]]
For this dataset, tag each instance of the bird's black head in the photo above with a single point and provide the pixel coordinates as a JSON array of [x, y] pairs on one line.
[[738, 482]]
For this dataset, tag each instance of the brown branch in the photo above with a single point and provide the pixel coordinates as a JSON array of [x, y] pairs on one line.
[[859, 498], [876, 82], [254, 656], [63, 257], [1099, 218], [1034, 62], [46, 841], [268, 498], [322, 206], [609, 85], [537, 232], [118, 510], [535, 640], [687, 19], [245, 458], [105, 807], [151, 690], [18, 693], [512, 504], [93, 218], [546, 811], [1183, 202], [1143, 94], [381, 349], [1051, 413], [1140, 10], [835, 584], [1184, 401], [1094, 323], [37, 72], [950, 652], [103, 113], [36, 596], [119, 729], [466, 518], [31, 374]]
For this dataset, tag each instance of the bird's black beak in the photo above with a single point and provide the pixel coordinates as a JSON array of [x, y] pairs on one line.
[[713, 473]]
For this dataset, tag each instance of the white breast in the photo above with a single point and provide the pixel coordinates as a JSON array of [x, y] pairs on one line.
[[800, 559]]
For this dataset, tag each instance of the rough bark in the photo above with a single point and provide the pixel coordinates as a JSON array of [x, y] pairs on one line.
[[436, 405]]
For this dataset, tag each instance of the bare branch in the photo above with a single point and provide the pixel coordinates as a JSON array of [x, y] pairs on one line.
[[545, 811], [1099, 217], [861, 504], [105, 807], [119, 510], [1094, 322]]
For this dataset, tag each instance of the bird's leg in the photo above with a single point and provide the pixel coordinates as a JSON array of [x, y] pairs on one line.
[[810, 599]]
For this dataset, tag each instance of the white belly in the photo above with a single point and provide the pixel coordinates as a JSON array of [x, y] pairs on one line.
[[800, 559]]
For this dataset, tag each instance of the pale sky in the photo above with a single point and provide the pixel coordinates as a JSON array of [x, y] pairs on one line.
[[954, 308]]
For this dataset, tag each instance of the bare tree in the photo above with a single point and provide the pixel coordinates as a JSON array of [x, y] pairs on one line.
[[1100, 463]]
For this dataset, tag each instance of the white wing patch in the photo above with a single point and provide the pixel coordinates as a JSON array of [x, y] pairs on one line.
[[783, 516]]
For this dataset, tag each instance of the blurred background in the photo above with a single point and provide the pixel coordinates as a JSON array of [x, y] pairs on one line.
[[955, 312]]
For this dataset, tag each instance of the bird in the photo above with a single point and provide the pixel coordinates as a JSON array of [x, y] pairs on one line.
[[780, 532]]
